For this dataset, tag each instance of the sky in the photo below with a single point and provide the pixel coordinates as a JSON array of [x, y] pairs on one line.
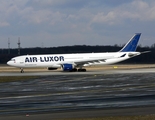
[[53, 23]]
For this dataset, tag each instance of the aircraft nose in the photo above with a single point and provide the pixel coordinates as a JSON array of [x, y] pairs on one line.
[[8, 63]]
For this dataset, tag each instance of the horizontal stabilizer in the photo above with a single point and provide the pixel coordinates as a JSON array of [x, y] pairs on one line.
[[145, 52], [131, 46]]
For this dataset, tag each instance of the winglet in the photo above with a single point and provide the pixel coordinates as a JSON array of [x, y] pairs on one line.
[[131, 46]]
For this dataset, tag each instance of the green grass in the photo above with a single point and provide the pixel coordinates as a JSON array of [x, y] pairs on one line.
[[15, 78], [145, 117]]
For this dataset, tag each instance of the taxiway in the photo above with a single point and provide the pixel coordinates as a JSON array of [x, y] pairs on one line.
[[47, 73]]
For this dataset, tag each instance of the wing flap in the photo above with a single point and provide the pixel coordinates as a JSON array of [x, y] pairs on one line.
[[89, 62]]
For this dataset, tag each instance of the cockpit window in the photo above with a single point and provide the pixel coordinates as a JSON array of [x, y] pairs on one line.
[[12, 59]]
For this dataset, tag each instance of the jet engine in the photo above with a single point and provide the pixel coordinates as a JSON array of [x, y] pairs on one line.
[[69, 67]]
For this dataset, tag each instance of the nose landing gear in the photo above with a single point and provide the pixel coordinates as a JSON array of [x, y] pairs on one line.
[[21, 70]]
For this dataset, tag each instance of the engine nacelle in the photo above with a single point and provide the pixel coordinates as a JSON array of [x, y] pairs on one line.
[[51, 68], [67, 67]]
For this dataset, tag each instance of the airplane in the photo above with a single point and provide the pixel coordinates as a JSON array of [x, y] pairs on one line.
[[76, 62]]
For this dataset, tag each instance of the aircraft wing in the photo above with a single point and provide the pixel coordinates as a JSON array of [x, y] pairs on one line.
[[89, 62]]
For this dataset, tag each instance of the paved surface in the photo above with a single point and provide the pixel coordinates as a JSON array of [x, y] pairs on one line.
[[90, 72], [94, 93]]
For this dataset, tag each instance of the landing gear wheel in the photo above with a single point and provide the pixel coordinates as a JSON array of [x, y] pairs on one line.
[[22, 70], [81, 70]]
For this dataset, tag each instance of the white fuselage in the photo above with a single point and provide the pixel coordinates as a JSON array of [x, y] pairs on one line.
[[57, 60]]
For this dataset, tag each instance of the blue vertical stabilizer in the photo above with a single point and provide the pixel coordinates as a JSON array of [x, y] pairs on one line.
[[132, 44]]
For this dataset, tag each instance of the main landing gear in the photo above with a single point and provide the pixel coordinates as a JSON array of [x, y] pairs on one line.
[[77, 70], [21, 70], [81, 70]]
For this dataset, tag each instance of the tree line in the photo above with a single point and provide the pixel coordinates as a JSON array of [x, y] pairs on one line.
[[147, 58]]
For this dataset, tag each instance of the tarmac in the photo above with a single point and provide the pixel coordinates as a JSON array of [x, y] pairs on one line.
[[115, 91], [47, 73]]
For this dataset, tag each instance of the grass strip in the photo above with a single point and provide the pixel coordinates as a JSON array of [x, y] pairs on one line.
[[143, 117], [15, 78]]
